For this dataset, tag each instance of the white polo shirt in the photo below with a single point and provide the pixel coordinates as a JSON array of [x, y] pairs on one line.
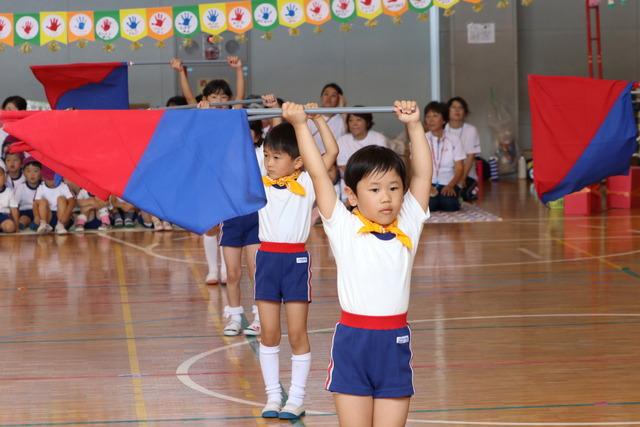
[[374, 275], [349, 145], [335, 123], [51, 194], [445, 151], [468, 134], [286, 218], [13, 183], [25, 196], [7, 200]]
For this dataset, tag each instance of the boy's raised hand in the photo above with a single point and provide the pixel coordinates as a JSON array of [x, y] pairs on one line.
[[407, 111], [204, 104], [312, 105], [176, 64], [234, 61], [294, 113]]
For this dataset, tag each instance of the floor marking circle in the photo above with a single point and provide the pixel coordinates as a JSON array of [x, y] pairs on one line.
[[182, 372]]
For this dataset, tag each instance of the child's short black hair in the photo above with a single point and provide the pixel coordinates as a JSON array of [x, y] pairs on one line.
[[333, 86], [439, 108], [461, 101], [283, 138], [199, 98], [256, 127], [367, 117], [18, 101], [176, 100], [373, 159], [217, 86]]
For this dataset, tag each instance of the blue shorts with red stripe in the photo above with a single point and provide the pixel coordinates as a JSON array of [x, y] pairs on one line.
[[371, 356], [240, 231], [283, 273]]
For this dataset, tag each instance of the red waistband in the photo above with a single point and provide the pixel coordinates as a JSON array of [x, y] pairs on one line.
[[283, 248], [373, 322]]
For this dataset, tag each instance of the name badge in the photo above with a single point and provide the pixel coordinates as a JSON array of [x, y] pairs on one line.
[[402, 340], [302, 260]]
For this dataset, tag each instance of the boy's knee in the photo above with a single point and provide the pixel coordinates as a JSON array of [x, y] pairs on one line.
[[270, 338]]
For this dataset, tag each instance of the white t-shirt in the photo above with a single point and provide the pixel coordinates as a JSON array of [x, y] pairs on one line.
[[349, 145], [445, 151], [286, 218], [25, 196], [7, 200], [51, 194], [468, 134], [335, 123], [374, 275], [13, 183]]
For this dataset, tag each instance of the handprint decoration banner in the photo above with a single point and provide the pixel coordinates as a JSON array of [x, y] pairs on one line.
[[186, 22], [318, 12], [265, 14], [239, 15], [160, 20], [133, 25], [54, 27], [213, 19], [6, 30], [81, 26], [27, 28], [291, 15]]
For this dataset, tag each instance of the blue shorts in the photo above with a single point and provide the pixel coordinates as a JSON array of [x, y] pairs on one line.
[[371, 362], [27, 213], [283, 273], [240, 231], [94, 224], [4, 217]]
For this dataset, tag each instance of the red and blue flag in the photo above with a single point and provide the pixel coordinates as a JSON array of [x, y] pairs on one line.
[[194, 168], [583, 131], [85, 86]]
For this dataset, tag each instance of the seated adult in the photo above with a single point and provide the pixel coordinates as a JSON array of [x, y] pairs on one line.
[[468, 135], [448, 156]]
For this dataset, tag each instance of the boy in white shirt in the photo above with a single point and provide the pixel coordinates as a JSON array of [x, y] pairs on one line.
[[26, 193], [8, 206], [374, 246], [55, 204]]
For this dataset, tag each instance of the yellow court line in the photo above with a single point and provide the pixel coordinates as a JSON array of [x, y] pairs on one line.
[[599, 258], [134, 365], [215, 315]]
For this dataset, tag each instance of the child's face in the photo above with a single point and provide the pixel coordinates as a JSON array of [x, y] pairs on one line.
[[218, 97], [11, 107], [329, 98], [357, 125], [434, 121], [50, 182], [379, 196], [32, 174], [456, 111], [279, 163], [13, 163]]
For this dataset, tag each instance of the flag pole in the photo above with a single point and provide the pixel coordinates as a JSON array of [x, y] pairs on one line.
[[194, 62], [216, 104], [275, 112]]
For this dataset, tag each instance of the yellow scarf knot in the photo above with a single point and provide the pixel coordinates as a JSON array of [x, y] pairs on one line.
[[372, 227], [289, 181]]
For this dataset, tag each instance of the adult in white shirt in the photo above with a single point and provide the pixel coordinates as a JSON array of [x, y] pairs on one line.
[[448, 156], [468, 134]]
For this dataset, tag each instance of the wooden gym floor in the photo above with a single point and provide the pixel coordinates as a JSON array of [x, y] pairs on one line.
[[533, 321]]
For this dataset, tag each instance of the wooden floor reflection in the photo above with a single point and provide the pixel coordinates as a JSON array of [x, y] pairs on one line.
[[534, 320]]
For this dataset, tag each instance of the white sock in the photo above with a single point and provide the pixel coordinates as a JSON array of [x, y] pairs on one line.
[[211, 253], [256, 314], [234, 313], [223, 267], [270, 366], [300, 367]]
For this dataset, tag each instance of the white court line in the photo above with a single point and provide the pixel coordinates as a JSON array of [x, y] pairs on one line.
[[150, 252], [530, 253]]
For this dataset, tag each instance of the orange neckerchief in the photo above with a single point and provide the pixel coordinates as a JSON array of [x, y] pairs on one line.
[[372, 227], [289, 181]]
